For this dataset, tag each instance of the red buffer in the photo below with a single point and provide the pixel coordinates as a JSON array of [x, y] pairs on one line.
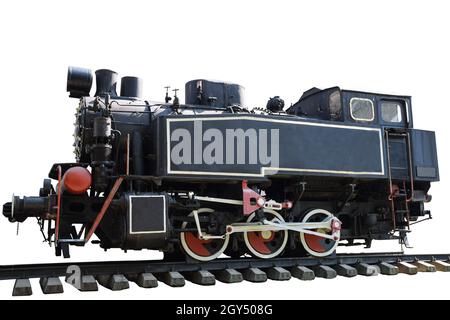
[[76, 180]]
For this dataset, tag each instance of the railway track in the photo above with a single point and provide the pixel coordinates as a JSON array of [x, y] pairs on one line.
[[116, 275]]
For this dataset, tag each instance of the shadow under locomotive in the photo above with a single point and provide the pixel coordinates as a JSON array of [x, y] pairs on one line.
[[213, 177]]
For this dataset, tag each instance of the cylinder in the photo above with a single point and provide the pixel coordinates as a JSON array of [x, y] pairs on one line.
[[100, 152], [76, 180], [131, 87], [18, 210], [102, 127], [100, 173], [106, 81], [79, 82]]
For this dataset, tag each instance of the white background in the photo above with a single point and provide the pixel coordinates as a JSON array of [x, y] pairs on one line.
[[270, 47]]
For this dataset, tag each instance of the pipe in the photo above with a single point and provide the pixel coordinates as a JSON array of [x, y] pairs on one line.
[[138, 157]]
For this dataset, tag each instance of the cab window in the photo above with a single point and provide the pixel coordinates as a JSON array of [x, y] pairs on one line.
[[391, 112], [362, 109]]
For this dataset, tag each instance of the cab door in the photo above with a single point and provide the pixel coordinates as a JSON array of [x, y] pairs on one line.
[[395, 120]]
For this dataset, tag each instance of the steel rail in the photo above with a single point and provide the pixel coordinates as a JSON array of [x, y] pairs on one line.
[[24, 271]]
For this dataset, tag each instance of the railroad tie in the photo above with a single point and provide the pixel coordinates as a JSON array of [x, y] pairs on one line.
[[228, 276], [114, 282], [423, 266], [406, 268], [441, 265], [173, 279], [388, 269], [85, 283], [254, 275], [51, 285], [201, 277], [22, 287], [325, 272], [143, 280], [368, 270], [278, 274], [345, 270], [302, 273]]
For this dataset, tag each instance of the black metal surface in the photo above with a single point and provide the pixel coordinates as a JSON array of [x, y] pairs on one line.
[[425, 158], [79, 82], [8, 272], [275, 104], [106, 81], [131, 87], [213, 93], [329, 150]]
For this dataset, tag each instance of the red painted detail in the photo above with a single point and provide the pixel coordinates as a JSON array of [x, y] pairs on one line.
[[77, 180], [105, 207], [197, 245], [258, 243], [314, 242], [286, 205], [251, 200]]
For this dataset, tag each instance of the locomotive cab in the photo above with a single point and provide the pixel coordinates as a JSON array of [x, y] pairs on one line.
[[391, 113], [357, 107]]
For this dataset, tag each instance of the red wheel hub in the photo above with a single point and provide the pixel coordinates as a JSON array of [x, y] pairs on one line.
[[197, 245], [258, 241], [316, 243]]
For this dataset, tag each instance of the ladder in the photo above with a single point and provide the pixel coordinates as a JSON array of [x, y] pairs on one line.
[[399, 195]]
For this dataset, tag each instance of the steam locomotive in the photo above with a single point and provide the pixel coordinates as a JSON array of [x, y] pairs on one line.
[[212, 177]]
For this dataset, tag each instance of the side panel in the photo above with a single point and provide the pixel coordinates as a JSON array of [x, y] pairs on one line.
[[425, 161], [147, 214], [147, 223], [255, 146]]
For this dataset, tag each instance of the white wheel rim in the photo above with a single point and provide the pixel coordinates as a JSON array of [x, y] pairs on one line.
[[193, 254], [262, 255], [303, 240], [12, 206]]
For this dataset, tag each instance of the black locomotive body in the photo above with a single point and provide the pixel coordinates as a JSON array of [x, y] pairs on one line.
[[212, 177]]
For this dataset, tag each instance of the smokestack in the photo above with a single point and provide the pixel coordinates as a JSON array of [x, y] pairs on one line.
[[131, 87], [106, 82]]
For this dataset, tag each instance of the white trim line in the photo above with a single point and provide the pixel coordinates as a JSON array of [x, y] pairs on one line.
[[12, 206], [131, 213]]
